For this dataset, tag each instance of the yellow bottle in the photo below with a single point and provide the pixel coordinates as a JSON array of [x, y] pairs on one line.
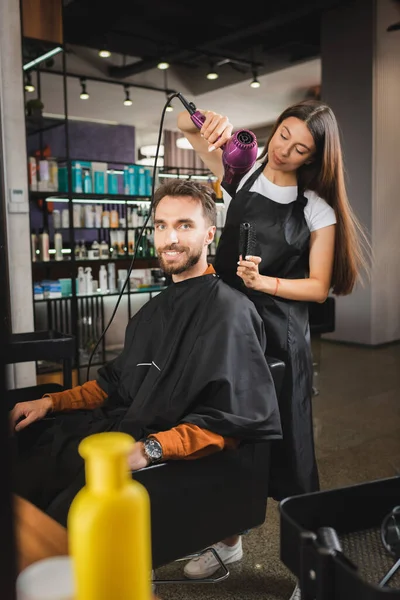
[[109, 524]]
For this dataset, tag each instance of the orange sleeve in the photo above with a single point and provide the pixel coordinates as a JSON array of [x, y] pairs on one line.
[[89, 395], [188, 441]]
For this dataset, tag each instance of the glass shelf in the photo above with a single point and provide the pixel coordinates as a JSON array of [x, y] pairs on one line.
[[128, 257], [63, 197], [105, 228], [142, 290]]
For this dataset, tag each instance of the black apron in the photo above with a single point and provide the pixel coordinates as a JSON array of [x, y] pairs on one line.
[[283, 239]]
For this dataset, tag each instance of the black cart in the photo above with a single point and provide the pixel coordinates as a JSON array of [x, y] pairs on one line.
[[358, 566]]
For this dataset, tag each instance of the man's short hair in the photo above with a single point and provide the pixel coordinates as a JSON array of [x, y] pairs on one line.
[[198, 191]]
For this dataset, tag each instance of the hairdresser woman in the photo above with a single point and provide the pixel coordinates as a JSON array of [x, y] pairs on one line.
[[308, 243]]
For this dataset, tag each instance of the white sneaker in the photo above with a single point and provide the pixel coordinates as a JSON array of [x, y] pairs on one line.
[[206, 564], [296, 594]]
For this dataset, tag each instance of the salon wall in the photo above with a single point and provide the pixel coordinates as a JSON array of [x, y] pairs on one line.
[[90, 141], [349, 92], [364, 96], [385, 177]]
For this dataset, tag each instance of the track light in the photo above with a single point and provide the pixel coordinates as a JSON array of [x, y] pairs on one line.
[[255, 83], [127, 101], [29, 87], [212, 73], [162, 65], [83, 95], [42, 58], [104, 53]]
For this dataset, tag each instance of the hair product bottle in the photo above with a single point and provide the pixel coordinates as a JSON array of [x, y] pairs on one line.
[[44, 245], [109, 524]]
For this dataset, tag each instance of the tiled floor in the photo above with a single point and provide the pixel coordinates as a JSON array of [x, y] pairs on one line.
[[357, 431]]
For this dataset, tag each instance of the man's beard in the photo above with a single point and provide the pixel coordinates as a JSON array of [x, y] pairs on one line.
[[190, 259]]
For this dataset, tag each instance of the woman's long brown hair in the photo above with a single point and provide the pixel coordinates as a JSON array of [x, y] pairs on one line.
[[325, 176]]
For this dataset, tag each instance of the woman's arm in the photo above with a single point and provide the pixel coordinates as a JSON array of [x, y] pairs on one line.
[[313, 289], [216, 131]]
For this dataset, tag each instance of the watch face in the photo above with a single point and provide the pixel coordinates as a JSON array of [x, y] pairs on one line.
[[153, 449]]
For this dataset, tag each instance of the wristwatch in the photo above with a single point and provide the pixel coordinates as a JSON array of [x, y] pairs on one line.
[[153, 450]]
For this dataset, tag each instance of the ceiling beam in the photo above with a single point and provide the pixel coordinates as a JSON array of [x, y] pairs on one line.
[[213, 48]]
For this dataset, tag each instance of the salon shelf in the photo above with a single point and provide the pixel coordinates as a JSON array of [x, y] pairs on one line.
[[107, 228], [103, 198], [145, 260], [144, 290]]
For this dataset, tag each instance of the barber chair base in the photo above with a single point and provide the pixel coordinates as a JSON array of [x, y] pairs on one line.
[[218, 579]]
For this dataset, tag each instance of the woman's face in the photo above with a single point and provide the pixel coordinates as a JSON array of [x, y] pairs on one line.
[[291, 146]]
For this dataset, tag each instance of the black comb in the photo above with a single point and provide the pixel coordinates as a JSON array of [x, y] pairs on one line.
[[247, 240]]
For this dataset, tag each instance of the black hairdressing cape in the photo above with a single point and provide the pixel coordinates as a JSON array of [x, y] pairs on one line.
[[194, 354]]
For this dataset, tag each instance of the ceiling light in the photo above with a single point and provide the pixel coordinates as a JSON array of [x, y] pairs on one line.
[[40, 59], [212, 74], [183, 144], [151, 149], [104, 53], [29, 87], [127, 101], [255, 83], [83, 95], [162, 65]]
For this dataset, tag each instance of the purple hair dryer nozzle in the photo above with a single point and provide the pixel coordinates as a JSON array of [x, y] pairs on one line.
[[239, 155]]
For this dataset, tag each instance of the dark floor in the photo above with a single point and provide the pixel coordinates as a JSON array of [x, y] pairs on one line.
[[357, 432]]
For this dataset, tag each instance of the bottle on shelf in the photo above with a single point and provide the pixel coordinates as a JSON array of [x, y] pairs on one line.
[[77, 251], [114, 218], [98, 212], [131, 242], [139, 216], [150, 243], [77, 215], [104, 251], [134, 216], [112, 284], [58, 245], [89, 216], [114, 247], [84, 252], [89, 280], [103, 279], [65, 218], [56, 219], [121, 242], [94, 251], [87, 181], [34, 246], [105, 220], [81, 281], [44, 245]]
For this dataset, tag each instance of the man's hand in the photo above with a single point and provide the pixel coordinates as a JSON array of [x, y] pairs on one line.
[[32, 411], [137, 458]]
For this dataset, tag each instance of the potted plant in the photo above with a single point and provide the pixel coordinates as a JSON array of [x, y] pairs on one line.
[[34, 108]]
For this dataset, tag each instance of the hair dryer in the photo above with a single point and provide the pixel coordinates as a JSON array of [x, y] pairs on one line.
[[239, 153]]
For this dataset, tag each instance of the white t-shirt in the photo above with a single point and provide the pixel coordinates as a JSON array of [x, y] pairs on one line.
[[317, 211]]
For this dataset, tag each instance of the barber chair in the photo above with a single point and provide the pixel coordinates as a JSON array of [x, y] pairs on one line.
[[40, 345], [196, 503], [322, 320]]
